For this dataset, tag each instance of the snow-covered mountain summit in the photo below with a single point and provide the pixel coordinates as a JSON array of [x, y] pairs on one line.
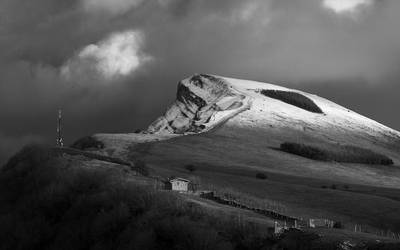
[[205, 102]]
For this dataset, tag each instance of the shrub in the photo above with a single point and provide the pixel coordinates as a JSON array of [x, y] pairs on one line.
[[293, 98], [297, 239], [337, 224], [29, 156], [88, 142], [336, 152], [261, 176], [304, 150], [190, 168], [195, 183], [333, 186]]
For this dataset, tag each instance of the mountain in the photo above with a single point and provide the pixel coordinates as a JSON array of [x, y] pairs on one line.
[[237, 122], [233, 130]]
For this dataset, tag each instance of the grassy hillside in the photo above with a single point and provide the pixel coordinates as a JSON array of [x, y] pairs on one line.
[[53, 200], [50, 201], [232, 157]]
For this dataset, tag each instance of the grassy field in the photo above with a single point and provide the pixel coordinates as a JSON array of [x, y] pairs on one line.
[[50, 201], [350, 193], [254, 150], [67, 201], [306, 198]]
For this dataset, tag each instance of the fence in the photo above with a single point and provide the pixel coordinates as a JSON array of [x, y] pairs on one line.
[[234, 203]]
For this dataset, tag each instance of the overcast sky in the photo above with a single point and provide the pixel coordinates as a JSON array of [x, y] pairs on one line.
[[113, 65]]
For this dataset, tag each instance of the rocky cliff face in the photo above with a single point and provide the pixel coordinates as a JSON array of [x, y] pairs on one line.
[[201, 101]]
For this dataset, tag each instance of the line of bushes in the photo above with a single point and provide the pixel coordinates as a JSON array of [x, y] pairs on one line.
[[336, 152], [88, 143], [293, 98]]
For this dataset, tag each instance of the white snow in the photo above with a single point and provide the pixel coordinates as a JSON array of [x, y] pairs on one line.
[[265, 110]]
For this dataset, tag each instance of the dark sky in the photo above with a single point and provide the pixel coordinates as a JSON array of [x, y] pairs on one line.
[[113, 65]]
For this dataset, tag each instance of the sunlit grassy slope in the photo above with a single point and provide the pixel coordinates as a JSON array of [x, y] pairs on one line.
[[230, 157]]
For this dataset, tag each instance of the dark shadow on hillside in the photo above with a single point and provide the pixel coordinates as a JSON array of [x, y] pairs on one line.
[[336, 152]]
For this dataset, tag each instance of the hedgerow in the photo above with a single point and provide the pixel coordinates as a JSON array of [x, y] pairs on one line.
[[293, 98], [336, 152]]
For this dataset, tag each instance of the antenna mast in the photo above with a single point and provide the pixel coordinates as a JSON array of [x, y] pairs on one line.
[[60, 141]]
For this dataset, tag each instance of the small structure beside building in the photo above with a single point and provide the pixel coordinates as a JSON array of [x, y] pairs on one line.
[[178, 184]]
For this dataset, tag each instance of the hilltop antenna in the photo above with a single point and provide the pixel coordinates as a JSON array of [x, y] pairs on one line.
[[60, 141]]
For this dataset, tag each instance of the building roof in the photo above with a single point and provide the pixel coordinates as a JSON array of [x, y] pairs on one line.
[[179, 179]]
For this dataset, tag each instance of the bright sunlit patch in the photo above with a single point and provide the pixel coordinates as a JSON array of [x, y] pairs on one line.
[[117, 55], [343, 6]]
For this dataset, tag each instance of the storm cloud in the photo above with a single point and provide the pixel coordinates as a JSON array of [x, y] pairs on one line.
[[112, 66]]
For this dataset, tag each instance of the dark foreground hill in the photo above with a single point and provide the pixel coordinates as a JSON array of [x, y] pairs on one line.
[[51, 199]]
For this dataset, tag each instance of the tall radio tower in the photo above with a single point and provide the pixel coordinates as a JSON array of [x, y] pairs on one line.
[[60, 141]]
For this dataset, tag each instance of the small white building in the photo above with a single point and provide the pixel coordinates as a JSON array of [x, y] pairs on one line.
[[179, 184]]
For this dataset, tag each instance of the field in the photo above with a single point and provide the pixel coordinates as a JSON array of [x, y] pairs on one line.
[[359, 194]]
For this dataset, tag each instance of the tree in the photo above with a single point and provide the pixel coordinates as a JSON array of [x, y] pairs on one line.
[[195, 183], [191, 168], [337, 224], [261, 176]]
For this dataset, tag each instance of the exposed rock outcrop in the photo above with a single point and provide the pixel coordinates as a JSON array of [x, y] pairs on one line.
[[200, 99]]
